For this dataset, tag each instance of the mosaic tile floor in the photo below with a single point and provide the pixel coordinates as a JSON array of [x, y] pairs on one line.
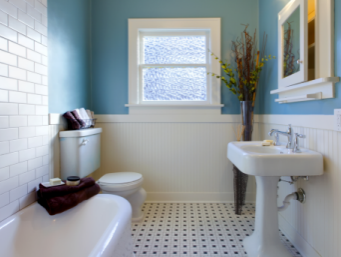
[[194, 229]]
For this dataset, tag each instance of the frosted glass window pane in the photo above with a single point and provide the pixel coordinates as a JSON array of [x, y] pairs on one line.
[[174, 84], [174, 50]]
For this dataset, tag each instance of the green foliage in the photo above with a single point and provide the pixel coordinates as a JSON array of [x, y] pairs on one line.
[[236, 83]]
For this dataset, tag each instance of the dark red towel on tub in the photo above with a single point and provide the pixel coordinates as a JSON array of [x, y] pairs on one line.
[[59, 204], [49, 192]]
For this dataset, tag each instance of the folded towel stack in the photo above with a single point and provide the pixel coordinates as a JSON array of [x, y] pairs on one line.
[[80, 118], [61, 198]]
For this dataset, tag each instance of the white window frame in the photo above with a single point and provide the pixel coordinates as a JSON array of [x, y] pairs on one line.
[[139, 27]]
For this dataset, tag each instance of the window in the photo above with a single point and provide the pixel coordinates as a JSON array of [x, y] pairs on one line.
[[173, 66], [169, 61]]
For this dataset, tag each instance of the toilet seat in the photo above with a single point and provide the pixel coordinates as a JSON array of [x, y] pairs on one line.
[[120, 181]]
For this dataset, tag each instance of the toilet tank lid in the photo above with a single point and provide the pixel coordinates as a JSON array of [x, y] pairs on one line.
[[120, 178], [80, 133]]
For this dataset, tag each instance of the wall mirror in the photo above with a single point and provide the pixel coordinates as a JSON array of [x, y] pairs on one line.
[[306, 51], [293, 44]]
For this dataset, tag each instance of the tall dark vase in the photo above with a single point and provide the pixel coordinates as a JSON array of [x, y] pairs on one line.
[[246, 111], [240, 179]]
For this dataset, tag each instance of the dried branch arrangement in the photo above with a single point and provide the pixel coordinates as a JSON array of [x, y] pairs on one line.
[[242, 78]]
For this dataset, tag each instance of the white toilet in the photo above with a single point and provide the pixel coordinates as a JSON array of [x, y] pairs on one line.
[[127, 185], [80, 154]]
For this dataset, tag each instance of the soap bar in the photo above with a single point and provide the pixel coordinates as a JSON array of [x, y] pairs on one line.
[[266, 144], [55, 181], [270, 141]]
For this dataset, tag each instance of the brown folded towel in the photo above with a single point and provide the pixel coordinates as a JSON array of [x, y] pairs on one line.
[[71, 120], [60, 204], [49, 192]]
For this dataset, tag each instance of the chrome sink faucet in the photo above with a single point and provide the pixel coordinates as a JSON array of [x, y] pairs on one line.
[[288, 134]]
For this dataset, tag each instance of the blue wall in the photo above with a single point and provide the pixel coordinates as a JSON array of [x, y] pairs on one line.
[[69, 54], [88, 65], [110, 41], [268, 10]]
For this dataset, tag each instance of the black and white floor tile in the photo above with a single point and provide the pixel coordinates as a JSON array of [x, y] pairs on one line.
[[195, 230]]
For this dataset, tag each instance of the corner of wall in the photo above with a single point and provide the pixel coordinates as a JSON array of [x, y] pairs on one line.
[[90, 40]]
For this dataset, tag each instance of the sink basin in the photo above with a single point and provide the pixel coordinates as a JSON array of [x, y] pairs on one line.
[[254, 159], [268, 164]]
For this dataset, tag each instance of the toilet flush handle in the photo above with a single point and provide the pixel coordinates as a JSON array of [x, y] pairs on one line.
[[85, 141]]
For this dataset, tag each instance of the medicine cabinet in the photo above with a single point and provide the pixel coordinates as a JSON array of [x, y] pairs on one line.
[[306, 51]]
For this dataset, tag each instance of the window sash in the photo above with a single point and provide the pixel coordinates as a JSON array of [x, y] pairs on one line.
[[141, 93], [173, 33]]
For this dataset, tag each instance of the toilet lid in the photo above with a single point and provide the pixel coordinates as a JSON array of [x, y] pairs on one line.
[[120, 178]]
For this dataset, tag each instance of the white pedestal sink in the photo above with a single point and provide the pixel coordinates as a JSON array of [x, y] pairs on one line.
[[268, 164]]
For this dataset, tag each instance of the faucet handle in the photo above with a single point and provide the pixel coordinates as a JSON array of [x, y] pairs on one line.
[[297, 143]]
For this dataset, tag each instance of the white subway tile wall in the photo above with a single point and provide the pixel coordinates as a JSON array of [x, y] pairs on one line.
[[24, 160]]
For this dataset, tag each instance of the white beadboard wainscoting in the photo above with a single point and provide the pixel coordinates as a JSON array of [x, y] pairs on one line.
[[184, 159], [314, 226], [179, 161]]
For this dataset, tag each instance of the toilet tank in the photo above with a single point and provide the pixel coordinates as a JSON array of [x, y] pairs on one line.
[[80, 152]]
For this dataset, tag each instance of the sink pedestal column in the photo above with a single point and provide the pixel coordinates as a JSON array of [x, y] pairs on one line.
[[265, 241]]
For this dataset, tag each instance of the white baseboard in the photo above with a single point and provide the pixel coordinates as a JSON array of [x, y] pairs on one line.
[[190, 197], [297, 240]]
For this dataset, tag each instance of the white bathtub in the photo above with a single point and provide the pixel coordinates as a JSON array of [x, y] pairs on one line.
[[99, 226]]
